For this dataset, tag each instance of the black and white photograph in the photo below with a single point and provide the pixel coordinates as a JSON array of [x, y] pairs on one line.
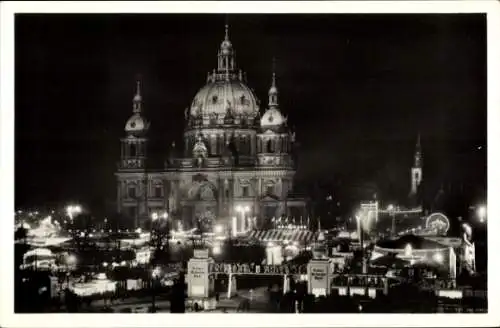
[[249, 162]]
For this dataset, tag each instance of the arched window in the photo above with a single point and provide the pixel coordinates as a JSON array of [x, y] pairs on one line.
[[158, 191], [243, 142], [213, 145], [269, 147], [270, 189], [214, 99], [213, 119], [133, 150], [131, 190]]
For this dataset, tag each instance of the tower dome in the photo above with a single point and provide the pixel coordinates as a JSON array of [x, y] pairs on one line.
[[225, 90], [273, 118], [137, 124]]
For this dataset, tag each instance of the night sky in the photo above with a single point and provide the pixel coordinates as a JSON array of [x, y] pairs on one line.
[[357, 88]]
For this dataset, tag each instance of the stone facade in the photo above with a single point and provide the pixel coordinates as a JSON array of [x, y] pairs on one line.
[[232, 156]]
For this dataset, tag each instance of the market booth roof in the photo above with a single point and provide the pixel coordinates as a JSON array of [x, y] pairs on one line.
[[416, 243]]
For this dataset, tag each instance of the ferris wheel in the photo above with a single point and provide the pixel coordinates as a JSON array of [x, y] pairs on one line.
[[438, 222]]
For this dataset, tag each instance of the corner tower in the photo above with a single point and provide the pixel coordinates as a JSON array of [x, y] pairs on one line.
[[132, 174], [274, 145]]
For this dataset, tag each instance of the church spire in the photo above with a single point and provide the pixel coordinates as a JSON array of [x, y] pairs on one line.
[[416, 170], [273, 91], [137, 99], [418, 154]]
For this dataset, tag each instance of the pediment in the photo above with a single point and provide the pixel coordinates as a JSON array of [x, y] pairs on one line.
[[269, 132], [269, 197]]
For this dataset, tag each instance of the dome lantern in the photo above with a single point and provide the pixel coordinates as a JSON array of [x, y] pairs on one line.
[[226, 56], [273, 91], [137, 98]]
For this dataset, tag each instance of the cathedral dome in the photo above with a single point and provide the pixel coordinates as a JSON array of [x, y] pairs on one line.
[[226, 90], [219, 95], [272, 118]]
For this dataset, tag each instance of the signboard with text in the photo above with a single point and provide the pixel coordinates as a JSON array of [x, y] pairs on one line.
[[318, 275], [201, 253], [252, 268], [197, 278]]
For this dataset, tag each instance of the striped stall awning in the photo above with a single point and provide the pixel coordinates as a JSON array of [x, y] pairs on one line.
[[281, 235]]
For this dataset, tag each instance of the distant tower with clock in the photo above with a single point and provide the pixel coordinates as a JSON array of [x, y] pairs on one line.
[[416, 170]]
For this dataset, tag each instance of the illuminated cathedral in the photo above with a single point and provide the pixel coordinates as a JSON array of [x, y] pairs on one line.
[[236, 159]]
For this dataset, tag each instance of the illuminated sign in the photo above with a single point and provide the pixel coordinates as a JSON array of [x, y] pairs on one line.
[[457, 294], [201, 253], [369, 214], [252, 268], [197, 277], [318, 275]]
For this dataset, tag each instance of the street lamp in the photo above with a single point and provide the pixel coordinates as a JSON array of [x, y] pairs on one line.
[[70, 263], [216, 249], [438, 257], [234, 228], [392, 211], [359, 221], [155, 274], [158, 217], [358, 226], [481, 213]]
